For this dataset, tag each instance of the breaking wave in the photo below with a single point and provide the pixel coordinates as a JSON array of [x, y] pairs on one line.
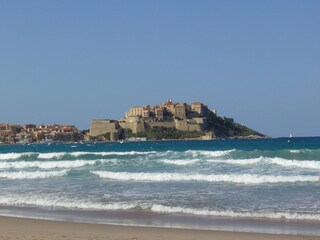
[[273, 215], [277, 161], [296, 163], [62, 203], [295, 151], [197, 153], [180, 162], [77, 154], [9, 156], [57, 155], [238, 161], [233, 178], [46, 165], [32, 175], [156, 208]]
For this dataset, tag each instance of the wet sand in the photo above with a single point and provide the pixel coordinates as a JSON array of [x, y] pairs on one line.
[[22, 228]]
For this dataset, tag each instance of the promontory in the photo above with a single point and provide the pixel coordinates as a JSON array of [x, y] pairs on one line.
[[170, 120]]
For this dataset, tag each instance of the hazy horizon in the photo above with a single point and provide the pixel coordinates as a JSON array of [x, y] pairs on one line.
[[68, 62]]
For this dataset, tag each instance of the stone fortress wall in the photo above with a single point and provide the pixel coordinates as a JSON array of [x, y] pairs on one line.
[[181, 116]]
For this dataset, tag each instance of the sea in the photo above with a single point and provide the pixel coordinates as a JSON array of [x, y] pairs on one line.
[[265, 185]]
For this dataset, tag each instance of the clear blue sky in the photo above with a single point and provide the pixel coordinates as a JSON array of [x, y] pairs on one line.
[[73, 61]]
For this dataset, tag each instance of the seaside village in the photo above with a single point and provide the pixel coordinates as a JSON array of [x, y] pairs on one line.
[[180, 116], [31, 133]]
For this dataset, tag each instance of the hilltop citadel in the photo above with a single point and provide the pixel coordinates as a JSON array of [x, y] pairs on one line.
[[169, 120], [181, 116]]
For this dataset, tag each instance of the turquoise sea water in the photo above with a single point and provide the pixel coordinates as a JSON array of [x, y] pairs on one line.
[[268, 179]]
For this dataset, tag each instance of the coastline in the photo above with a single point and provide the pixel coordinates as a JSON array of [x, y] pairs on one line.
[[147, 140], [146, 219], [23, 228]]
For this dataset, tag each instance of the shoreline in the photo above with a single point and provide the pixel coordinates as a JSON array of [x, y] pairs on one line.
[[137, 219], [148, 140], [23, 228]]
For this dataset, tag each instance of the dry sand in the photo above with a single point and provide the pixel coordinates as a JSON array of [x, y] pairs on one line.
[[27, 229]]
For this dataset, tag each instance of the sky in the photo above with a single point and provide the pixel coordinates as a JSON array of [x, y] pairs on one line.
[[68, 62]]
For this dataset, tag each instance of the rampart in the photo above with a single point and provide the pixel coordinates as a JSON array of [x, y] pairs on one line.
[[187, 125], [160, 124], [134, 126], [102, 126]]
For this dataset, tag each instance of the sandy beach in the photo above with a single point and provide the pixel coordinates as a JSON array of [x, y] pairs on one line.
[[21, 228]]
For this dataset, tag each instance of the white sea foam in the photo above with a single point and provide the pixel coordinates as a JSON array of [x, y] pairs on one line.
[[180, 162], [205, 212], [310, 164], [32, 175], [302, 150], [59, 155], [127, 153], [56, 155], [234, 178], [44, 201], [58, 202], [238, 161], [77, 154], [212, 154], [46, 164], [295, 163], [9, 156], [295, 151]]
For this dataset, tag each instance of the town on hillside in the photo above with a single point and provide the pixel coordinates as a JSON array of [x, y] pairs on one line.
[[169, 115], [31, 133], [169, 120]]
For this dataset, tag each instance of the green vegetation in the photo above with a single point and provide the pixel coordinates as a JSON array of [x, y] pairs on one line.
[[158, 133], [216, 127], [103, 137], [226, 128], [221, 127]]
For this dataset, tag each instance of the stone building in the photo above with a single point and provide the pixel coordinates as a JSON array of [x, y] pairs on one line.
[[196, 124], [103, 126], [159, 113], [146, 112], [135, 111], [169, 107], [180, 110], [199, 108]]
